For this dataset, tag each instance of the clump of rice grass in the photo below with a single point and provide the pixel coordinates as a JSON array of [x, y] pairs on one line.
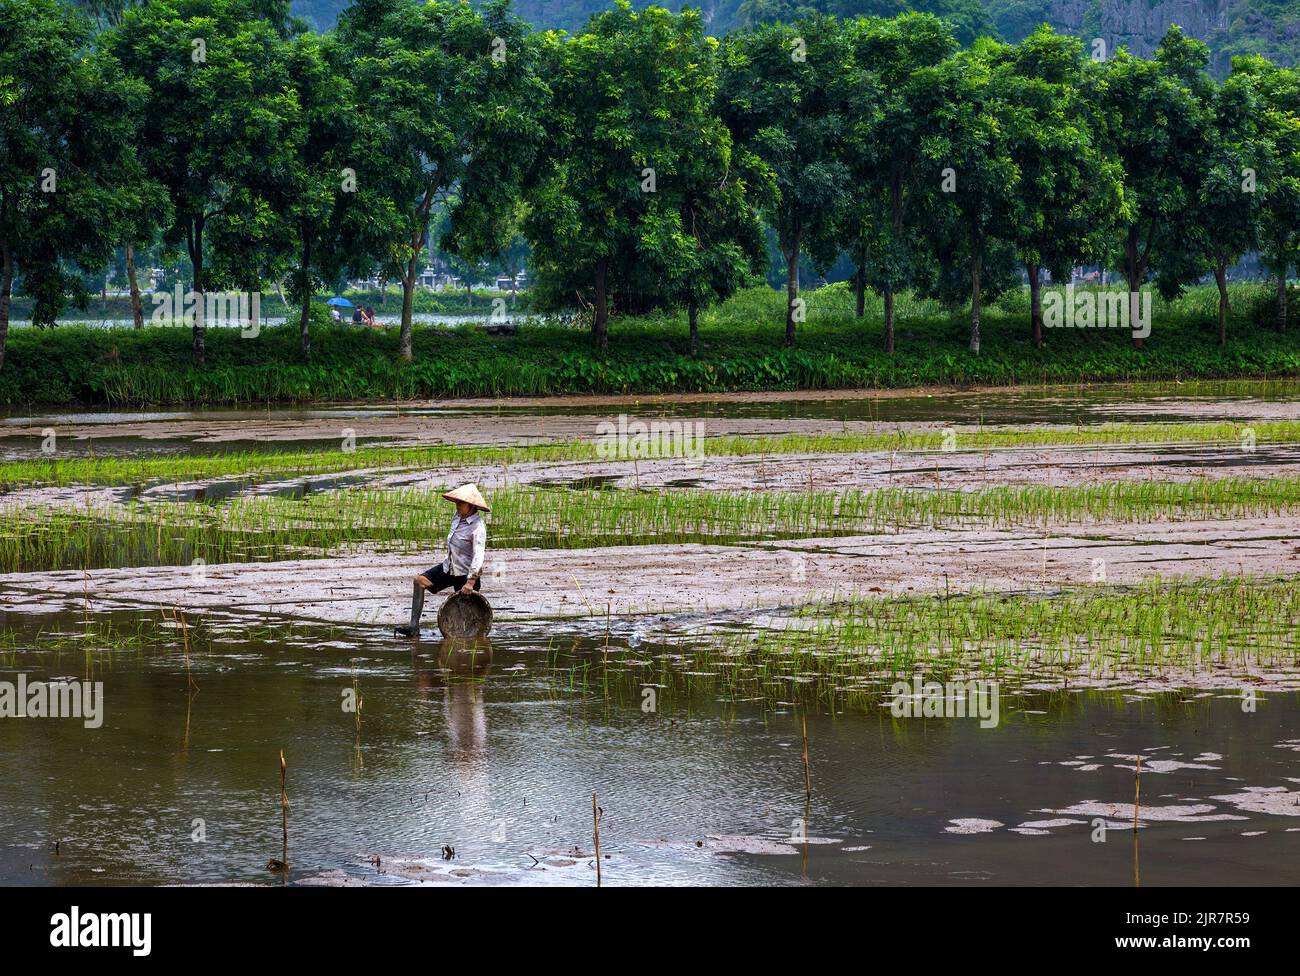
[[264, 465], [994, 438], [1101, 630], [847, 653], [414, 520], [93, 633]]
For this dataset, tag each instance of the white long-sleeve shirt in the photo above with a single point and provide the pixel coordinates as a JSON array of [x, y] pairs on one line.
[[466, 546]]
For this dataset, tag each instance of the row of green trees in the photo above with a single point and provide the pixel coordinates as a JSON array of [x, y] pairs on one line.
[[639, 158], [953, 172]]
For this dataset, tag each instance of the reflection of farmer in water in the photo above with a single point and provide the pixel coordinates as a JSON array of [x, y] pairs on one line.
[[457, 677], [466, 545], [462, 665]]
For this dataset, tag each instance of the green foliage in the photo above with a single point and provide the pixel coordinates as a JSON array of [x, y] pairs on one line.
[[1278, 93], [1267, 27], [968, 19], [218, 129], [1016, 19], [71, 185], [323, 206], [702, 236], [970, 176], [77, 364], [1070, 192], [1270, 28], [1159, 114], [639, 197], [878, 225], [629, 164], [453, 98], [784, 92]]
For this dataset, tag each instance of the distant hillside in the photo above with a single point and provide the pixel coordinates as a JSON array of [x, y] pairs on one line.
[[1269, 27]]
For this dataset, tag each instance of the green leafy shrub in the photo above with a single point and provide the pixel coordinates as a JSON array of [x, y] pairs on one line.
[[740, 350]]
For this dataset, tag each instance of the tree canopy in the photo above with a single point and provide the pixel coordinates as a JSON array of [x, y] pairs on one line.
[[635, 164]]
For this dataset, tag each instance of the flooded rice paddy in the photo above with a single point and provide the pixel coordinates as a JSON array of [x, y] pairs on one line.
[[1108, 574], [495, 755], [222, 429]]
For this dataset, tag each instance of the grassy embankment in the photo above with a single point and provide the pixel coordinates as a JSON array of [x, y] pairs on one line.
[[740, 350], [445, 302]]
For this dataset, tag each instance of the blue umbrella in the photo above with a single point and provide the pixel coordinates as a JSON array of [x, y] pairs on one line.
[[340, 301]]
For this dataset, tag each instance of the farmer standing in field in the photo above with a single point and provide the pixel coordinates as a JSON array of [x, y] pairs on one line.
[[466, 545]]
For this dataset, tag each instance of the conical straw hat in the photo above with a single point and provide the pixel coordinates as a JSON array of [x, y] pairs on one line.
[[468, 493]]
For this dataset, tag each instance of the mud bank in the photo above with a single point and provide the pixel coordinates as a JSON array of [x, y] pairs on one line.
[[531, 420], [408, 429], [695, 581], [951, 470], [937, 470]]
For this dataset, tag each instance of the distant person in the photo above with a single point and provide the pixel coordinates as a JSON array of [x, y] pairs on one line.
[[334, 314], [370, 317], [358, 316]]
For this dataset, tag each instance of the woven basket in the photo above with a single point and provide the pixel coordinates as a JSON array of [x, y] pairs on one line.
[[465, 615]]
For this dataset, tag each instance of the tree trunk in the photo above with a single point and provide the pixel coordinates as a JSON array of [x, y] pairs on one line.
[[1281, 296], [1135, 273], [195, 248], [304, 330], [469, 294], [791, 289], [860, 284], [254, 309], [896, 225], [6, 288], [408, 302], [304, 320], [600, 316], [1221, 276], [976, 267], [693, 314], [889, 319], [137, 314], [419, 240], [1035, 303]]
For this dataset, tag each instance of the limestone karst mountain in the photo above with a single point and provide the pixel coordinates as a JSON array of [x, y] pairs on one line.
[[1269, 27]]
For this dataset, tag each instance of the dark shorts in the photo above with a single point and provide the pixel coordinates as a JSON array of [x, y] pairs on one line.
[[440, 579]]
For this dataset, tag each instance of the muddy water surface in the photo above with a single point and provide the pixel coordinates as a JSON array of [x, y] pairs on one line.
[[495, 754], [479, 767], [127, 432]]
